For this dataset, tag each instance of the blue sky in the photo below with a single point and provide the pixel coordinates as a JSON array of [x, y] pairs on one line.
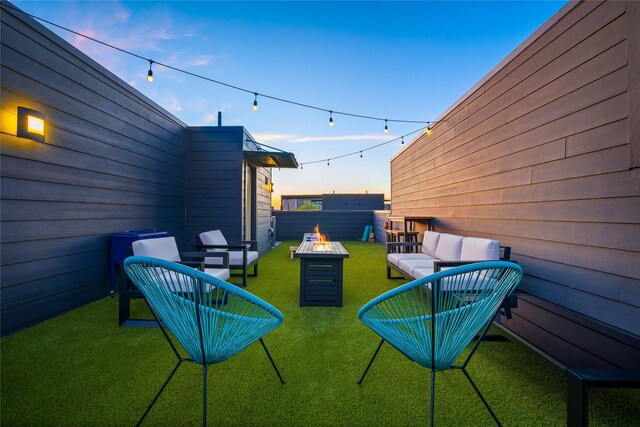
[[397, 60]]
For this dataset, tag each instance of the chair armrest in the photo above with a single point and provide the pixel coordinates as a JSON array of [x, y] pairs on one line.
[[402, 245], [232, 247], [200, 256], [438, 265], [253, 244]]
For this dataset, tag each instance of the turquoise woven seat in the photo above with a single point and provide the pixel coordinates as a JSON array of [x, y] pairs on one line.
[[432, 320], [212, 319]]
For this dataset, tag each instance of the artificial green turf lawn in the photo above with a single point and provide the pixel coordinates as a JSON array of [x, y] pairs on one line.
[[82, 369]]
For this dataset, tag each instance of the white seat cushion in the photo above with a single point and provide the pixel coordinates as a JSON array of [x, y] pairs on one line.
[[419, 273], [449, 247], [163, 248], [220, 273], [430, 242], [408, 265], [235, 258], [478, 249], [394, 258]]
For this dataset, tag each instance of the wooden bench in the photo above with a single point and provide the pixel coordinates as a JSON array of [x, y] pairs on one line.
[[590, 353]]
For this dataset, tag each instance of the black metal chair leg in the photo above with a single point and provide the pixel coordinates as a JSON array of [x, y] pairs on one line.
[[481, 397], [272, 362], [433, 399], [204, 395], [371, 361], [159, 392]]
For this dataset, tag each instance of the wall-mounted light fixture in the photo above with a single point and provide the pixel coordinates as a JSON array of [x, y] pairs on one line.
[[268, 185], [31, 124]]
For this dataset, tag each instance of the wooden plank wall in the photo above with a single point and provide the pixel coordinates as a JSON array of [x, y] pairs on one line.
[[215, 182], [263, 201], [538, 158], [338, 225], [112, 161]]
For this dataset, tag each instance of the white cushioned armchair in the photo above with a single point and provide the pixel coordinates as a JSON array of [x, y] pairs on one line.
[[242, 256], [166, 248]]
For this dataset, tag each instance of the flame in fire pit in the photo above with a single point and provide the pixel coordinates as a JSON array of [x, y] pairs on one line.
[[321, 243]]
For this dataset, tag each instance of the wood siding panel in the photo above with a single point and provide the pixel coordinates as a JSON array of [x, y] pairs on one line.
[[633, 58], [215, 182], [539, 157], [112, 161]]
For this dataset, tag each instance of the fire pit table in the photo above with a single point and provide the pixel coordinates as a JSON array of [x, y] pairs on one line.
[[321, 273]]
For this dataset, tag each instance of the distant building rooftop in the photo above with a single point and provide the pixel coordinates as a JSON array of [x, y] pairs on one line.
[[339, 202]]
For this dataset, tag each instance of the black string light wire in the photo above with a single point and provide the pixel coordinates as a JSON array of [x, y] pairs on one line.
[[429, 124], [400, 138], [221, 83]]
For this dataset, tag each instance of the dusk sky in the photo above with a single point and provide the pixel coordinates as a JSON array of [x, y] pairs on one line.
[[395, 60]]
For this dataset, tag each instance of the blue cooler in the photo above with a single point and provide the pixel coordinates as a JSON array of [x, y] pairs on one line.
[[121, 241]]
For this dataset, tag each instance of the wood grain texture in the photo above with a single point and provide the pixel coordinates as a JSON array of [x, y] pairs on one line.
[[539, 158], [112, 161], [633, 61]]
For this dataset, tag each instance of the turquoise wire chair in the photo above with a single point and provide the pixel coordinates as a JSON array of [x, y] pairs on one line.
[[212, 319], [432, 320]]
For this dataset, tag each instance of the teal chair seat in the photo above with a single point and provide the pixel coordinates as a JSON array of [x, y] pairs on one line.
[[432, 320]]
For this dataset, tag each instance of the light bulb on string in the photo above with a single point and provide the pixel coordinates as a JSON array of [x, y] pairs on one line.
[[428, 128], [402, 143], [328, 163], [330, 118], [361, 154], [255, 101], [386, 128], [301, 165], [150, 73]]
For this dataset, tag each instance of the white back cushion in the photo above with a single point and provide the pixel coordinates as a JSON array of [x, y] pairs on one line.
[[163, 248], [449, 247], [478, 249], [213, 237], [430, 242]]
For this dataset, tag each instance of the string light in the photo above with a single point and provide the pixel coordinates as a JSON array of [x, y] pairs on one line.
[[150, 73], [402, 141], [386, 128], [328, 163], [301, 165], [400, 138], [330, 118], [428, 128], [255, 101]]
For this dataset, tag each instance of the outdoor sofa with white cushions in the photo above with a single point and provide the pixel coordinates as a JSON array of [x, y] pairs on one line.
[[445, 249]]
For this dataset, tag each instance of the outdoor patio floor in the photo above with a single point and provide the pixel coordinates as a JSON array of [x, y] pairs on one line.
[[82, 369]]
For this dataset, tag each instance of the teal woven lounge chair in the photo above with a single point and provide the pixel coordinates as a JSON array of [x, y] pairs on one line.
[[212, 319], [465, 301]]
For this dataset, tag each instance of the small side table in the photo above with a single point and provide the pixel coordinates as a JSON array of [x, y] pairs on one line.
[[293, 249]]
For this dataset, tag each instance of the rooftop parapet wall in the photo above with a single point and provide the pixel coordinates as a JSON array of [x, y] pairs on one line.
[[112, 160], [540, 155]]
